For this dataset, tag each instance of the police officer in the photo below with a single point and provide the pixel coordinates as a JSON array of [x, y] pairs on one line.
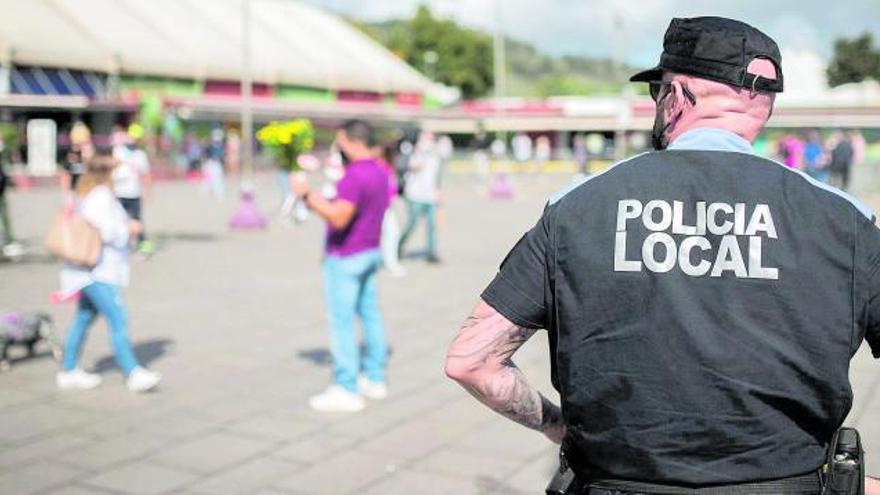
[[702, 303]]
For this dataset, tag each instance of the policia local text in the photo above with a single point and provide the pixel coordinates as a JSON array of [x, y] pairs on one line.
[[695, 255]]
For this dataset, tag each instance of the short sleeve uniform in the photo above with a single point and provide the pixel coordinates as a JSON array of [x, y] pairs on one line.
[[703, 305]]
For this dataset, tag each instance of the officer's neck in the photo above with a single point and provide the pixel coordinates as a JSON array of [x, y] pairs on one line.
[[722, 107], [742, 124]]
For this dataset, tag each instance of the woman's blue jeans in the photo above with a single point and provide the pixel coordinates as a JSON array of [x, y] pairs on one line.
[[351, 289], [106, 299]]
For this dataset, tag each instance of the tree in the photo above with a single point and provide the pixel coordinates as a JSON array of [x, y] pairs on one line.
[[854, 60], [442, 49]]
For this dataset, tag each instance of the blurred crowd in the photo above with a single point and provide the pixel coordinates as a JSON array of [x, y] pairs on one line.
[[828, 160]]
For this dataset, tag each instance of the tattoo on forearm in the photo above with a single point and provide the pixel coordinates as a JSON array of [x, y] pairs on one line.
[[485, 344]]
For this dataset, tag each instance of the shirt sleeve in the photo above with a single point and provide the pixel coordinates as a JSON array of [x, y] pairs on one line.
[[519, 290], [348, 189], [868, 271]]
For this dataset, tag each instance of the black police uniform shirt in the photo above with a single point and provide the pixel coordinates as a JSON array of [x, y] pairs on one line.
[[703, 305]]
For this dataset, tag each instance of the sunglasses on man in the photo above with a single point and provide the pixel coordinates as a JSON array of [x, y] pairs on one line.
[[656, 87]]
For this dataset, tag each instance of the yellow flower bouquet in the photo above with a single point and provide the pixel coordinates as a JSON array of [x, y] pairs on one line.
[[287, 141]]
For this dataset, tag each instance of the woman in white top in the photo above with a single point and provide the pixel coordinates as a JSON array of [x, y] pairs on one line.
[[100, 287]]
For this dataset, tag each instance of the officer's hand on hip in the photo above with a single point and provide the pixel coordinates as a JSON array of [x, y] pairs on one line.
[[555, 432]]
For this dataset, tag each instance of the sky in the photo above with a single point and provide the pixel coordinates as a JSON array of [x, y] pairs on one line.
[[633, 29]]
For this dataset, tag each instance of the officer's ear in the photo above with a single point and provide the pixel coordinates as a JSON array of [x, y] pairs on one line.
[[676, 100]]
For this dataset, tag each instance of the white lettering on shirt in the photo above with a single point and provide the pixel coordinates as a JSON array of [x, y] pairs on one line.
[[673, 242]]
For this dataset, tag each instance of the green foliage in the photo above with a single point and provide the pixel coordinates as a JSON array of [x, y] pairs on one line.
[[287, 140], [464, 58], [536, 74], [11, 141], [854, 60]]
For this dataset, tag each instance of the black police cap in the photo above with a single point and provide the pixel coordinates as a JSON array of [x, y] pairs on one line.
[[718, 49]]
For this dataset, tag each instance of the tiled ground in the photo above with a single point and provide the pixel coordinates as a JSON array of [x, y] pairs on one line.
[[234, 321]]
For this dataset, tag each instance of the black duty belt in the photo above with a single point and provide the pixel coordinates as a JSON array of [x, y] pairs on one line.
[[798, 485]]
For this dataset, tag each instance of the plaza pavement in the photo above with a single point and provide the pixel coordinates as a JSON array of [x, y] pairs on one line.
[[234, 321]]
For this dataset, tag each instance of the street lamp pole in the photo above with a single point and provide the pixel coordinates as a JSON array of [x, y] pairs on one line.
[[499, 56], [247, 118], [500, 186], [248, 216]]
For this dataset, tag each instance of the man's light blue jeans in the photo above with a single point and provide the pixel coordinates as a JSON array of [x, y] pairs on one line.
[[106, 299], [351, 289]]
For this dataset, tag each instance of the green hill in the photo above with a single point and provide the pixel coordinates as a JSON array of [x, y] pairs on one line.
[[460, 56]]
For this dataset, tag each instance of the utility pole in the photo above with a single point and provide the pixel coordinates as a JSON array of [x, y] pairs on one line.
[[247, 118], [499, 56], [499, 59], [248, 216]]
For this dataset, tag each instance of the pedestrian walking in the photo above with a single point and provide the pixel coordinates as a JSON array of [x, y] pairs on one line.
[[71, 169], [581, 155], [816, 160], [100, 287], [422, 193], [213, 177], [390, 225], [841, 160], [8, 245], [131, 182]]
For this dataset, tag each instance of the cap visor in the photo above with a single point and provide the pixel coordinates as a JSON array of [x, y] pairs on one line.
[[654, 74]]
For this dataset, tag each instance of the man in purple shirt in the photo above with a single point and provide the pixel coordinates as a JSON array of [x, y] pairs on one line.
[[351, 263]]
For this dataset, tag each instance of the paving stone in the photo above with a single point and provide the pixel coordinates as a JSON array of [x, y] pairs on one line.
[[415, 439], [346, 472], [80, 489], [211, 452], [180, 424], [45, 448], [37, 420], [276, 426], [407, 483], [456, 461], [35, 477], [248, 477], [315, 448], [531, 476], [515, 441], [12, 397], [141, 478], [275, 491], [114, 450], [119, 423], [367, 424]]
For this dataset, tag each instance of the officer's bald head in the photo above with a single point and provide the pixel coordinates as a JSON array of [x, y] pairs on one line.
[[743, 111]]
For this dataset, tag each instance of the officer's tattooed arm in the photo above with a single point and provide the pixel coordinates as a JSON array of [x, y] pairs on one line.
[[480, 360]]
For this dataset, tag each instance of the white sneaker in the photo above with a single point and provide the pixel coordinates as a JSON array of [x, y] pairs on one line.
[[13, 250], [77, 379], [337, 399], [142, 380], [372, 390]]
